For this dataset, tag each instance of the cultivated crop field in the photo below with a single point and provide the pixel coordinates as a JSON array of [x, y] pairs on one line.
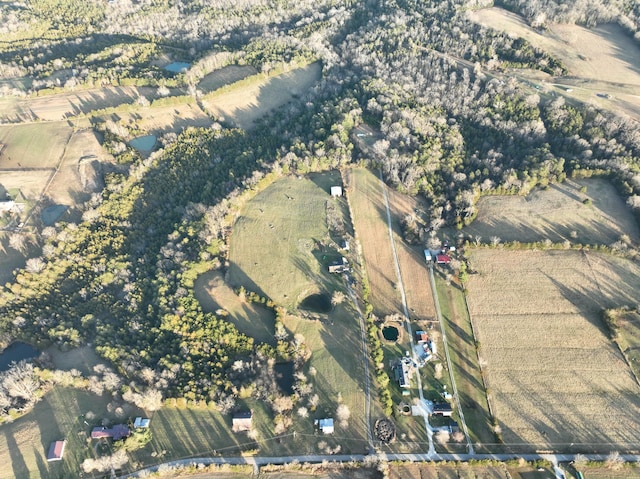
[[555, 213], [557, 381], [243, 103]]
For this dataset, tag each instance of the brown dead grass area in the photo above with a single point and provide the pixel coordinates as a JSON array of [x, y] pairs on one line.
[[555, 213], [337, 474], [603, 53], [370, 223], [157, 120], [213, 293], [64, 105], [245, 104], [555, 376], [435, 471], [413, 269]]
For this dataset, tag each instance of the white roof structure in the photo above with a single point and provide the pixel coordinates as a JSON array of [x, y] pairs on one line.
[[336, 191], [325, 425]]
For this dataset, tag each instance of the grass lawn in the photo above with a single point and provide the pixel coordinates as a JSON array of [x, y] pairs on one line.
[[24, 443], [466, 371]]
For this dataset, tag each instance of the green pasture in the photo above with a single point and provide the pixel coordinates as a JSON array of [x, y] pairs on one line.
[[280, 244], [34, 145]]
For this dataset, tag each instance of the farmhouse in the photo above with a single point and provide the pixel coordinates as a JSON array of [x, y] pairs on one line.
[[325, 426], [242, 421], [422, 336], [56, 451], [402, 373], [118, 431], [339, 266], [336, 191], [442, 409], [141, 423]]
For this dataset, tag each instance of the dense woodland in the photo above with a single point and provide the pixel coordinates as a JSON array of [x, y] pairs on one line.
[[414, 70]]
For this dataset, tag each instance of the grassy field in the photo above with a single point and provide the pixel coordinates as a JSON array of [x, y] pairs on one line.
[[556, 380], [370, 222], [602, 59], [555, 213], [243, 103], [282, 473], [467, 373], [629, 338], [24, 443], [251, 319], [33, 145], [281, 246]]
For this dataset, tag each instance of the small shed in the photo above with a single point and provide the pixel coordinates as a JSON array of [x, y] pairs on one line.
[[427, 256], [336, 191], [325, 426], [242, 421], [141, 423], [56, 451], [344, 245]]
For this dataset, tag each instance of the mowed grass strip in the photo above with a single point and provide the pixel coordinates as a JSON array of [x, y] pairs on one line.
[[366, 198], [558, 214], [253, 320], [275, 241], [33, 145], [464, 358], [556, 380]]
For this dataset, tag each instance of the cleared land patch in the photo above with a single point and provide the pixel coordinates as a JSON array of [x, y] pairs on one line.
[[225, 76], [33, 145], [253, 320], [556, 380], [244, 102], [280, 245], [370, 221], [555, 214], [464, 471]]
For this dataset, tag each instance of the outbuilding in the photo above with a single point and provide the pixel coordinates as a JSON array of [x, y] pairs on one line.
[[56, 451], [325, 426], [242, 421], [336, 191]]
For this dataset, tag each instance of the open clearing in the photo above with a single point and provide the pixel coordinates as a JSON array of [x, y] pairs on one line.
[[557, 381], [603, 59], [277, 242], [33, 145], [242, 103], [555, 213], [253, 320], [225, 76], [370, 222]]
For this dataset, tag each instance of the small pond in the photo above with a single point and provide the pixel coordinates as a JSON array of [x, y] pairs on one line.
[[16, 352], [317, 303], [390, 333], [144, 143], [51, 214], [284, 377], [177, 67]]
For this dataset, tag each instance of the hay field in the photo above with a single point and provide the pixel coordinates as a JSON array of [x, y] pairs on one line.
[[243, 103], [557, 381], [275, 243], [60, 106], [555, 213], [33, 145], [603, 54], [253, 320], [415, 275], [370, 223]]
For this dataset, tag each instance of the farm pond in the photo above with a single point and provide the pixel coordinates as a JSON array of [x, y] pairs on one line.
[[177, 67], [390, 333], [317, 303], [144, 143], [284, 376], [16, 352]]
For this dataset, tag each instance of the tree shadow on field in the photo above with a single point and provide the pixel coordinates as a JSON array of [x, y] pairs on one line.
[[18, 464], [236, 277]]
